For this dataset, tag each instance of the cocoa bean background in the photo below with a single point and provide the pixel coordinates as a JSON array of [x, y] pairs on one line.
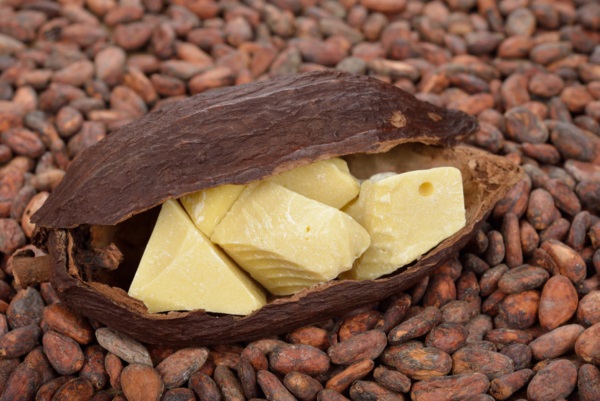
[[514, 315]]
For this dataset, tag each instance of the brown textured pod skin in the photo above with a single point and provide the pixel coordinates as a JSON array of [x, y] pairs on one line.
[[238, 135]]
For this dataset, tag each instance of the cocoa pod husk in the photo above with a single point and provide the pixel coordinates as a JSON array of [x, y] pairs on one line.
[[63, 233]]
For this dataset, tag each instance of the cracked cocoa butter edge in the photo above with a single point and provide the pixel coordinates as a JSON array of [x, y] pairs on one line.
[[111, 193]]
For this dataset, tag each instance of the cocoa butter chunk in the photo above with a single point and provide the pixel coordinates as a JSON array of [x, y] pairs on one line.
[[326, 181], [207, 207], [406, 215], [182, 270], [287, 241]]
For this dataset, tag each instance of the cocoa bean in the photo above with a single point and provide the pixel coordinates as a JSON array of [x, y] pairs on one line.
[[587, 345], [365, 390], [230, 385], [588, 383], [300, 358], [449, 388], [440, 291], [65, 355], [22, 384], [272, 387], [416, 326], [557, 230], [123, 346], [62, 319], [460, 311], [178, 394], [541, 211], [141, 383], [330, 395], [519, 353], [310, 335], [78, 389], [367, 345], [304, 387], [358, 323], [556, 342], [392, 379], [247, 376], [557, 380], [113, 366], [508, 336], [587, 310], [93, 367], [567, 260], [447, 337], [522, 278], [504, 386], [470, 360], [558, 302], [19, 341], [48, 389], [488, 282], [25, 308], [205, 387], [178, 367]]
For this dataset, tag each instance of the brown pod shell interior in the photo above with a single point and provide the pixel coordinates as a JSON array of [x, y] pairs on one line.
[[344, 115]]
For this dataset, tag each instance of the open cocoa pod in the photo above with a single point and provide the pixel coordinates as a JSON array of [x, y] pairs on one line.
[[96, 223]]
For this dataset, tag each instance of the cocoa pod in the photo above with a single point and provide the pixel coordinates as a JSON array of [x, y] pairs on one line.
[[447, 388], [555, 381], [470, 360], [119, 213], [367, 345], [304, 387], [558, 302], [178, 367]]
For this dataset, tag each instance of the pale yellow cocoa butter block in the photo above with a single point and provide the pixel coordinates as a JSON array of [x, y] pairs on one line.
[[287, 241], [406, 215], [326, 181], [207, 207], [181, 269]]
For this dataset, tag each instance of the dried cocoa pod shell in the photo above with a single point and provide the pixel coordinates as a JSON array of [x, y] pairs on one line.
[[372, 120]]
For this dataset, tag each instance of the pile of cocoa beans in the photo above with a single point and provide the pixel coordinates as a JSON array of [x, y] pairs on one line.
[[514, 316]]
